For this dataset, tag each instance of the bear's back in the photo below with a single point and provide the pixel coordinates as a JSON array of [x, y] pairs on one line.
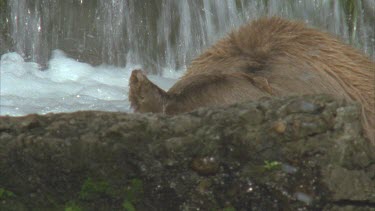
[[295, 59]]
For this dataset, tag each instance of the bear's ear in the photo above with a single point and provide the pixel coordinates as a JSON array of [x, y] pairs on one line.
[[137, 76]]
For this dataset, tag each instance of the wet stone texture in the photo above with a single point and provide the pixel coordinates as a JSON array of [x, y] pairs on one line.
[[296, 153]]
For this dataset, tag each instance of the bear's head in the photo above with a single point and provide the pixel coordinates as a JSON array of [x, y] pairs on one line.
[[144, 96]]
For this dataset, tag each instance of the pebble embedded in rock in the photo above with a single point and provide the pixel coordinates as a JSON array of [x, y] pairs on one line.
[[205, 166], [279, 127]]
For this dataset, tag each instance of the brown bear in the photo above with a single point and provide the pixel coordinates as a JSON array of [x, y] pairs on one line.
[[269, 56], [209, 89]]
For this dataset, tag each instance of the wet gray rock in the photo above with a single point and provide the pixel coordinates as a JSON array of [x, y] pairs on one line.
[[296, 153]]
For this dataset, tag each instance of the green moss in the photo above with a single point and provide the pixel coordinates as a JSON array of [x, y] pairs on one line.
[[92, 190], [128, 206], [5, 194], [72, 206], [229, 209], [133, 194], [134, 191], [271, 165]]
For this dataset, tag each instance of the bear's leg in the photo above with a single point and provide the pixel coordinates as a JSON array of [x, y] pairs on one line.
[[145, 96]]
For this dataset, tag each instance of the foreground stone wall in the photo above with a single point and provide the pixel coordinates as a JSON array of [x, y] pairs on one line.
[[275, 154]]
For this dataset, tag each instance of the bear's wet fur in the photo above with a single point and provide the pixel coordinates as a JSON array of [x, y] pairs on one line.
[[266, 57], [220, 89]]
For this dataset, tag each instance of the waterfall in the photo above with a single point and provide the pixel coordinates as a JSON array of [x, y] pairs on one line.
[[161, 34]]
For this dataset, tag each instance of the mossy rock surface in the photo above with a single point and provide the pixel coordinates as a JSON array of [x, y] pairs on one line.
[[275, 154]]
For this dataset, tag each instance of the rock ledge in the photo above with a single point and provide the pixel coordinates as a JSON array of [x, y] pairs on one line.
[[276, 154]]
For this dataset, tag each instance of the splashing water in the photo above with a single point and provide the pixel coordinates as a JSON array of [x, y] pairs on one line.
[[66, 86]]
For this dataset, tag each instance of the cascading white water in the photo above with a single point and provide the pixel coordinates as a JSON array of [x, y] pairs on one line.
[[26, 28], [159, 34]]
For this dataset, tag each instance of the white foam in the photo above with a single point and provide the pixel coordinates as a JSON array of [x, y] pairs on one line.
[[66, 86]]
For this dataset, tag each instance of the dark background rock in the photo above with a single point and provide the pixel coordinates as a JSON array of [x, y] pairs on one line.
[[292, 153]]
